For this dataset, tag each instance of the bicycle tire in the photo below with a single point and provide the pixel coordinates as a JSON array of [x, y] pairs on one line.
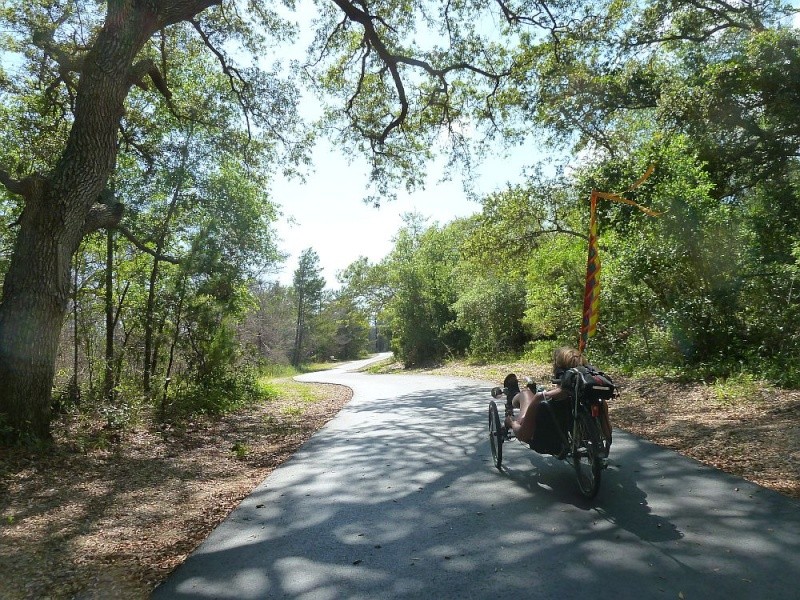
[[586, 456], [496, 435]]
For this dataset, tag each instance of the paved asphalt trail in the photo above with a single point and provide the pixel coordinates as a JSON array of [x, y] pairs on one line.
[[397, 498]]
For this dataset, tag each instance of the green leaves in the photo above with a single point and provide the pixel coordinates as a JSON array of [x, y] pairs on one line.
[[423, 274]]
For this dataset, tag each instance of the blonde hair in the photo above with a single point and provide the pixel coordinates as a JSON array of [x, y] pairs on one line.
[[567, 357]]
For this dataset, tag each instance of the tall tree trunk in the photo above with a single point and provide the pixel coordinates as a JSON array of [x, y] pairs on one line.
[[74, 391], [58, 212], [148, 327], [53, 221], [149, 349], [298, 335], [173, 344], [108, 379]]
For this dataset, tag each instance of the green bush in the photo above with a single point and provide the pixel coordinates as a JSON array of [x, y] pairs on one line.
[[217, 393], [490, 312]]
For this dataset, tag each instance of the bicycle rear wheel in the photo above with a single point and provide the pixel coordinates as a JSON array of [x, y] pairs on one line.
[[496, 435], [586, 458]]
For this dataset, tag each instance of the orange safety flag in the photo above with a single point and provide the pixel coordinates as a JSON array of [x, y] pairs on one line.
[[616, 198], [591, 293]]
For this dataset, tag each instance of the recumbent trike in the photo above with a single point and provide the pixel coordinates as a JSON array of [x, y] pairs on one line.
[[568, 428]]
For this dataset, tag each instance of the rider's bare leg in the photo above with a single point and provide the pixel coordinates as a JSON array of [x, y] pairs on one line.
[[525, 422]]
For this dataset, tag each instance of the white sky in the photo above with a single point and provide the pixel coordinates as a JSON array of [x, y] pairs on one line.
[[332, 218]]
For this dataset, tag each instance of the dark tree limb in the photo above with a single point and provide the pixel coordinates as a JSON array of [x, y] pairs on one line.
[[145, 153], [742, 16], [66, 62], [14, 186], [29, 187], [144, 248], [107, 213], [103, 216], [169, 13], [373, 40], [148, 67], [235, 78]]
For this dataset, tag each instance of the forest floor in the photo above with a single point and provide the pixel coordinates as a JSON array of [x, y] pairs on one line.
[[101, 517]]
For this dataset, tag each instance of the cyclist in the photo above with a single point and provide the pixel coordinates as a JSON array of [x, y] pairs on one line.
[[528, 399]]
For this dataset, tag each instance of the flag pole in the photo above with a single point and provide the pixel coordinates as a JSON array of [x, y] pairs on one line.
[[591, 293]]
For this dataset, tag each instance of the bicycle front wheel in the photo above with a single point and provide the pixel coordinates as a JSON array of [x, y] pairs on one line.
[[496, 435]]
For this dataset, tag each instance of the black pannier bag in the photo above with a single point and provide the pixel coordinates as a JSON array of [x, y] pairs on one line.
[[589, 383]]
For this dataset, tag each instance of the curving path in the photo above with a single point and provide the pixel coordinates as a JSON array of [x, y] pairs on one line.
[[397, 497]]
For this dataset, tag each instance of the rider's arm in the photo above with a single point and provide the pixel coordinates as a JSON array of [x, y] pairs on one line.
[[556, 393]]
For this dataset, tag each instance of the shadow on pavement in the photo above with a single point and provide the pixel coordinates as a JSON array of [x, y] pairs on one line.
[[397, 497]]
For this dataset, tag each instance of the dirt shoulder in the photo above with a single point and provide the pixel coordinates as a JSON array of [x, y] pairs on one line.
[[100, 518], [756, 438]]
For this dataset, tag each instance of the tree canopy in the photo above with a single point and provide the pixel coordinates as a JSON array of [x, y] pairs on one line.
[[72, 93], [139, 141]]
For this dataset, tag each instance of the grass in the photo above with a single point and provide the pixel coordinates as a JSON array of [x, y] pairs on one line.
[[320, 366], [292, 411], [736, 388], [240, 450], [380, 366], [275, 381], [275, 389], [287, 371], [291, 398], [269, 388]]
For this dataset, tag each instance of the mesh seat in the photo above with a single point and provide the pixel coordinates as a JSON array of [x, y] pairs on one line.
[[552, 424]]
